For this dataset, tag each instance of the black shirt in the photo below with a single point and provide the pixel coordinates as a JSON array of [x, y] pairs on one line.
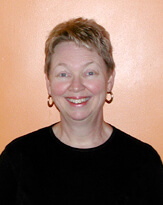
[[39, 169]]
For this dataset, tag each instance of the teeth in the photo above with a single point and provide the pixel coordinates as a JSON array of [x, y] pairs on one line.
[[78, 101]]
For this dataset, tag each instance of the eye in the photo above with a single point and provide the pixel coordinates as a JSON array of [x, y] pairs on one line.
[[63, 75], [90, 73]]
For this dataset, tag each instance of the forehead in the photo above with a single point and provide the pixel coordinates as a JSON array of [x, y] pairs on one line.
[[70, 45], [71, 52]]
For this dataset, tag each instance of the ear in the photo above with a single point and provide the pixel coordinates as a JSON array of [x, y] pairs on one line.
[[48, 84], [111, 81]]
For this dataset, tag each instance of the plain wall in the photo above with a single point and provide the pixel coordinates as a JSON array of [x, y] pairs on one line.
[[136, 29]]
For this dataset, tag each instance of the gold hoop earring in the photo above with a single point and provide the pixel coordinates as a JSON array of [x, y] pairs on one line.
[[50, 101], [111, 97]]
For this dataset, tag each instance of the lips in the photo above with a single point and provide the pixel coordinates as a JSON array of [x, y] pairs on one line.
[[78, 100]]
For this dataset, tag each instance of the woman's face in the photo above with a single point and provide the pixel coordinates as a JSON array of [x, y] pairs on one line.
[[78, 81]]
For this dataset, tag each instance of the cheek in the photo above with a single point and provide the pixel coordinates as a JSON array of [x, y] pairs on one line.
[[97, 87], [58, 88]]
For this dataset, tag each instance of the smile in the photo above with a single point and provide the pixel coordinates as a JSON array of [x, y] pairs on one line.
[[78, 101]]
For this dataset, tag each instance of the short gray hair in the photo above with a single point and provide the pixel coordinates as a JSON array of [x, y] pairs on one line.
[[84, 32]]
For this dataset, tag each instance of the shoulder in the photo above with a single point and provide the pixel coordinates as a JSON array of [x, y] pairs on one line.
[[25, 151], [134, 148], [30, 141]]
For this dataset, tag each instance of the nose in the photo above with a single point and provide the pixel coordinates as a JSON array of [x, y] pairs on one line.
[[76, 84]]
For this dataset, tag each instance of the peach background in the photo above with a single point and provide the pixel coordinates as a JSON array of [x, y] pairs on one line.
[[136, 29]]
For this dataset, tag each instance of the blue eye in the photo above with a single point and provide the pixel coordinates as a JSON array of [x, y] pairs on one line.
[[90, 73], [63, 74]]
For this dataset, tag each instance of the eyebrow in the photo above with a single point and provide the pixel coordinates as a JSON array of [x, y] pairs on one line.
[[85, 65], [91, 62], [61, 64]]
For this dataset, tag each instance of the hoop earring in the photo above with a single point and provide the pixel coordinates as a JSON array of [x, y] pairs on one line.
[[50, 101], [111, 97]]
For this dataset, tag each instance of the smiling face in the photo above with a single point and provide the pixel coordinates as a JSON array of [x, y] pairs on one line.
[[78, 81]]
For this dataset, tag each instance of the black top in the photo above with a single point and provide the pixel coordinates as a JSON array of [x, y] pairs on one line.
[[39, 169]]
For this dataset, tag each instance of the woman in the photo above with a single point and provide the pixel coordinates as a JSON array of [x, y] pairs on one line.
[[81, 159]]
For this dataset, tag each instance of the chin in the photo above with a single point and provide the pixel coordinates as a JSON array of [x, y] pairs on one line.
[[79, 116]]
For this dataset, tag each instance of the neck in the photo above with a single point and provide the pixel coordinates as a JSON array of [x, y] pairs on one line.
[[83, 134]]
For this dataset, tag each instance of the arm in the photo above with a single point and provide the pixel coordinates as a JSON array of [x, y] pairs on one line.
[[8, 182], [154, 180]]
